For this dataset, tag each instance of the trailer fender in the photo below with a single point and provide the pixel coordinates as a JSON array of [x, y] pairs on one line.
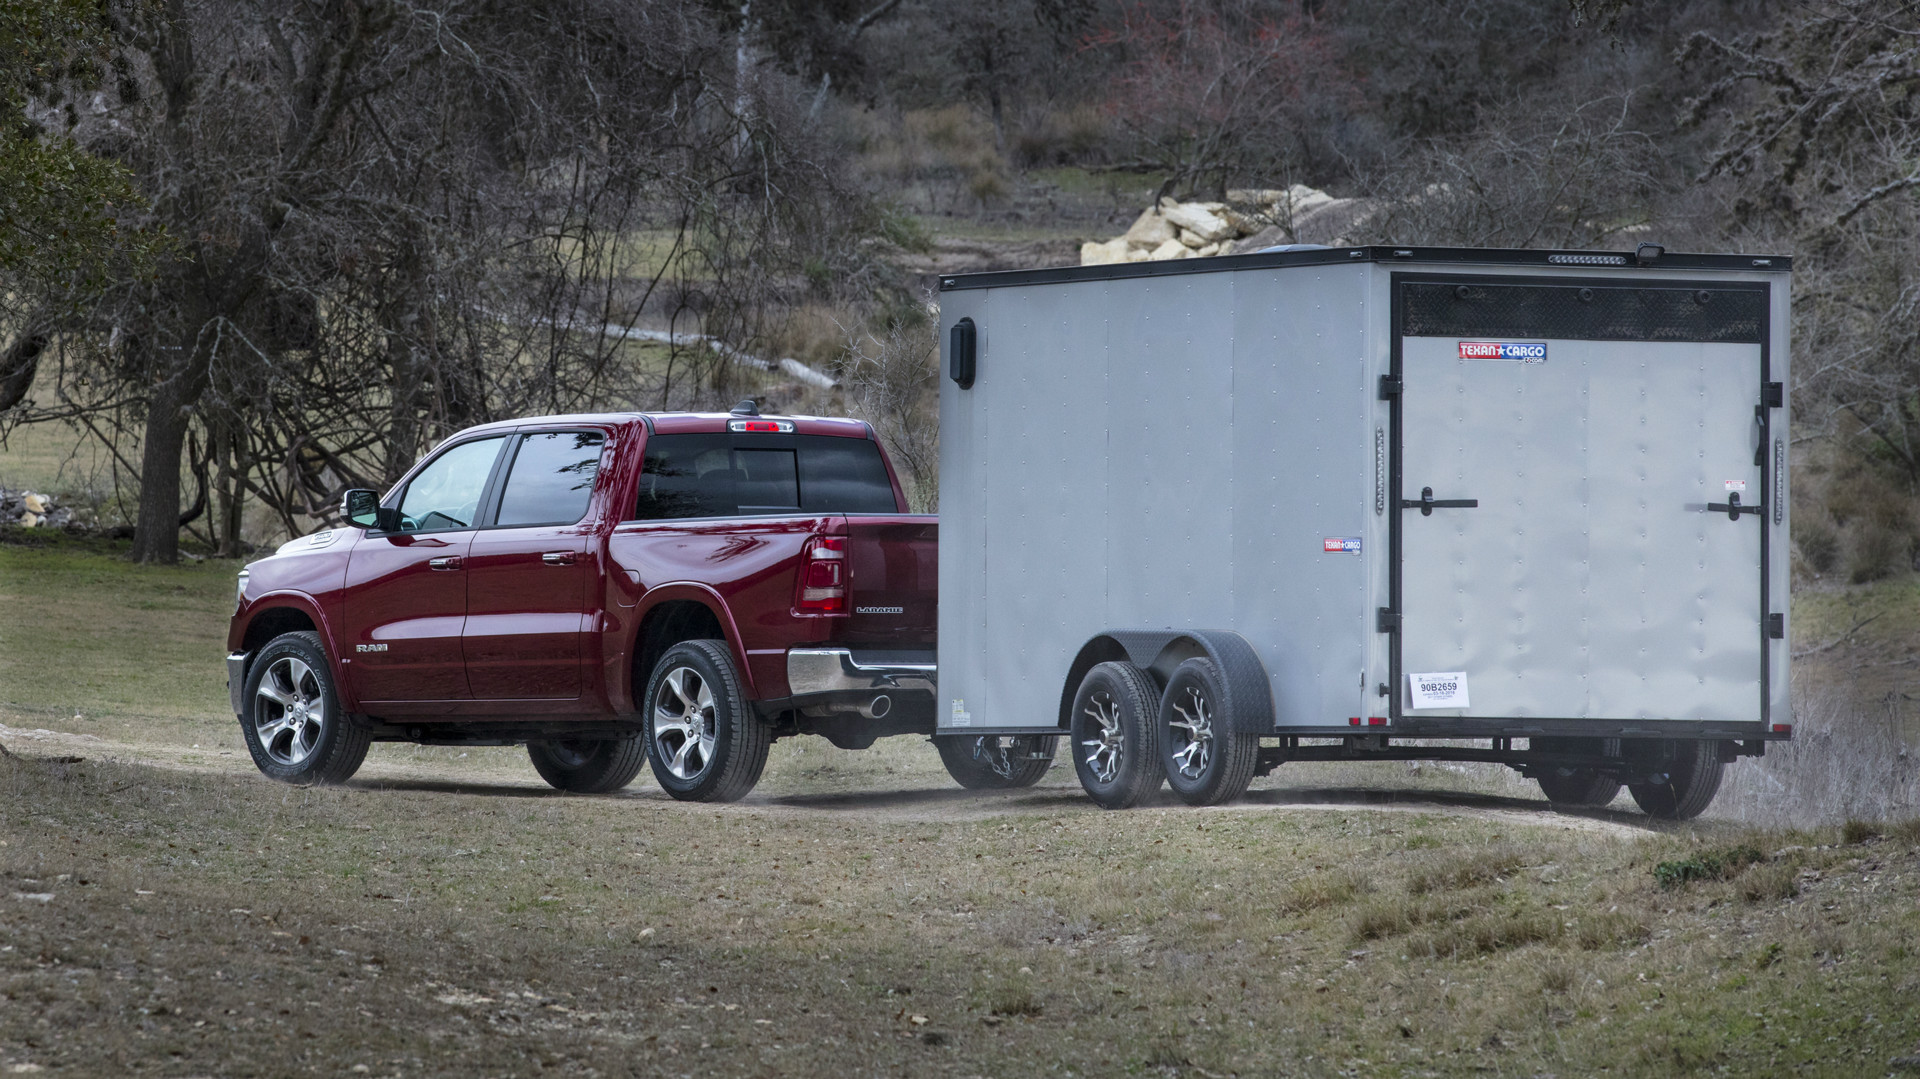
[[1249, 702]]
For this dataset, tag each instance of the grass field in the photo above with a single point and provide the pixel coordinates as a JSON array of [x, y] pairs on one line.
[[167, 910]]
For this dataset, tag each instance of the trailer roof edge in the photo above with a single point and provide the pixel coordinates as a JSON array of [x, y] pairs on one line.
[[1409, 256]]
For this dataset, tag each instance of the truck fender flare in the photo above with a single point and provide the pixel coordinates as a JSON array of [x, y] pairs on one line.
[[1249, 693], [707, 597], [305, 604]]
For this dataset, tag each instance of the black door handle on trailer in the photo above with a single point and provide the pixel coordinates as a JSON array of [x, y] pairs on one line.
[[1733, 509], [1426, 503]]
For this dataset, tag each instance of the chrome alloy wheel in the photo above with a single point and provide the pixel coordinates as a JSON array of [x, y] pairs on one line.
[[683, 726], [1107, 751], [289, 711], [1195, 727]]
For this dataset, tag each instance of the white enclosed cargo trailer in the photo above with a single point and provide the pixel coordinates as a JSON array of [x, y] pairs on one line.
[[1202, 517]]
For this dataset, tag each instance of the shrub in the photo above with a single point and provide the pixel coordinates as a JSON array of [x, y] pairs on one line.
[[1819, 543], [1723, 864]]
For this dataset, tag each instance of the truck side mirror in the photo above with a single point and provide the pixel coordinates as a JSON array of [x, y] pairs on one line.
[[361, 507], [960, 349]]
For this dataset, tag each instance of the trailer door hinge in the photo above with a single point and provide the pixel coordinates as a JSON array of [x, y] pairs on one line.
[[1777, 627], [1390, 387], [1386, 620], [1775, 395]]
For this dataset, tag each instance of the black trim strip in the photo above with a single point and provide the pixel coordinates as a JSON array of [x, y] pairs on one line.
[[1453, 256]]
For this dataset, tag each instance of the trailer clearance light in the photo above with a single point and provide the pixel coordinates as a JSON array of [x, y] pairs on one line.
[[1783, 728], [771, 427], [823, 577], [1376, 721]]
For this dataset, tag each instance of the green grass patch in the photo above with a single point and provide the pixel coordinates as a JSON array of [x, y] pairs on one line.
[[1725, 863]]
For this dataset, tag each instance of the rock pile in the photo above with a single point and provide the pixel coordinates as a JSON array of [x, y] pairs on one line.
[[30, 510], [1247, 221]]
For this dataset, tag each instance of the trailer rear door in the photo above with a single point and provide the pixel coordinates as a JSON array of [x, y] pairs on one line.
[[1558, 445]]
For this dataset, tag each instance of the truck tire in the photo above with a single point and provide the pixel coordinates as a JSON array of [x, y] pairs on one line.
[[293, 724], [588, 766], [1206, 760], [1693, 778], [1113, 734], [702, 736], [992, 763], [1574, 786]]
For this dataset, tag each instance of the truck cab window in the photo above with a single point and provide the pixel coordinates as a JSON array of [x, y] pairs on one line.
[[446, 493], [551, 478], [726, 475]]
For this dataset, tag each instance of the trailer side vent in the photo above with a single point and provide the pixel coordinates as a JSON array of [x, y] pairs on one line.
[[1433, 309]]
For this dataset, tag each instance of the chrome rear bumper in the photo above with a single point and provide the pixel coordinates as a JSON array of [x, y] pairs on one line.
[[815, 671], [237, 680]]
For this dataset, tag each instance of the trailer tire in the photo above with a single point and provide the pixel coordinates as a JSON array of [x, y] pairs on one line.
[[1692, 781], [1583, 787], [988, 762], [1206, 760], [588, 766], [695, 706], [1113, 735]]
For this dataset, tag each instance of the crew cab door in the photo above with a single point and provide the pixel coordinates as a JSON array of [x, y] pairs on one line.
[[530, 575], [406, 589]]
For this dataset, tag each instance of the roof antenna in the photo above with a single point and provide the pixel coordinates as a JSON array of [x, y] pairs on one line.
[[747, 407]]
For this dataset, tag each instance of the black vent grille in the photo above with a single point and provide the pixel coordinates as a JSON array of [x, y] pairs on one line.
[[1582, 313]]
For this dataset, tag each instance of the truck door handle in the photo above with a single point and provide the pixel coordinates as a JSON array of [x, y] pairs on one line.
[[1426, 503], [558, 558], [451, 561], [1733, 509]]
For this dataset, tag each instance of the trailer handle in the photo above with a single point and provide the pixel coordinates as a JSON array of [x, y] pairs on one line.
[[1733, 509], [1426, 503]]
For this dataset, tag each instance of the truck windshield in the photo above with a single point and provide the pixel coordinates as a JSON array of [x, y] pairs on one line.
[[744, 475]]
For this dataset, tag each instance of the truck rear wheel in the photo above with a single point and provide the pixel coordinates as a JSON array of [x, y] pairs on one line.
[[1574, 786], [703, 738], [1693, 778], [293, 723], [1207, 761], [588, 766], [1113, 733], [987, 762]]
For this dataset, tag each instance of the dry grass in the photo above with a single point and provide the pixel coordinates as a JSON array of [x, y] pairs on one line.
[[446, 915]]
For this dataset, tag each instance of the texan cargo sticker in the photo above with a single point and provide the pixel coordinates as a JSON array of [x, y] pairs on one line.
[[1340, 545], [1521, 351]]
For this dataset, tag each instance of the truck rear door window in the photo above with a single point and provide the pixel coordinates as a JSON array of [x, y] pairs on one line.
[[727, 475], [551, 478]]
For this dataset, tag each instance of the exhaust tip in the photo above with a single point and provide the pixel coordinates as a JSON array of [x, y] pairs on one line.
[[878, 707]]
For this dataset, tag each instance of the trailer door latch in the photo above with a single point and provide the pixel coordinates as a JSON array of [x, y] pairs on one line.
[[1733, 509], [1426, 503]]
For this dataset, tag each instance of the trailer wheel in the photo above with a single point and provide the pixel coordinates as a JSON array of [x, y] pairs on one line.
[[1575, 786], [1693, 778], [1207, 761], [988, 762], [1113, 734], [704, 740]]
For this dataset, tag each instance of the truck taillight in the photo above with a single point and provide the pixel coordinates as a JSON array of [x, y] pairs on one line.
[[823, 576]]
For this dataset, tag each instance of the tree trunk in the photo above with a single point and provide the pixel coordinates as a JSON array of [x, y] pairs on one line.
[[156, 535]]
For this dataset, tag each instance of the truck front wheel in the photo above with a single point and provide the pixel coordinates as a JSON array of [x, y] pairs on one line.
[[1113, 735], [293, 723], [703, 738], [588, 766], [990, 762], [1693, 770]]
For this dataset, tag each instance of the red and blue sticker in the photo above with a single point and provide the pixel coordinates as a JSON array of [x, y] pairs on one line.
[[1340, 545], [1520, 351]]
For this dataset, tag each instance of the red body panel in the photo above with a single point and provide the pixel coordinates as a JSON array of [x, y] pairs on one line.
[[511, 634]]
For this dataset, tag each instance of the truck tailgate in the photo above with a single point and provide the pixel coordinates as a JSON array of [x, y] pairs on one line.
[[893, 573]]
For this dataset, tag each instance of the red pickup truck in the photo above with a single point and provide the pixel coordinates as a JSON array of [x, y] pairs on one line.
[[608, 589]]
